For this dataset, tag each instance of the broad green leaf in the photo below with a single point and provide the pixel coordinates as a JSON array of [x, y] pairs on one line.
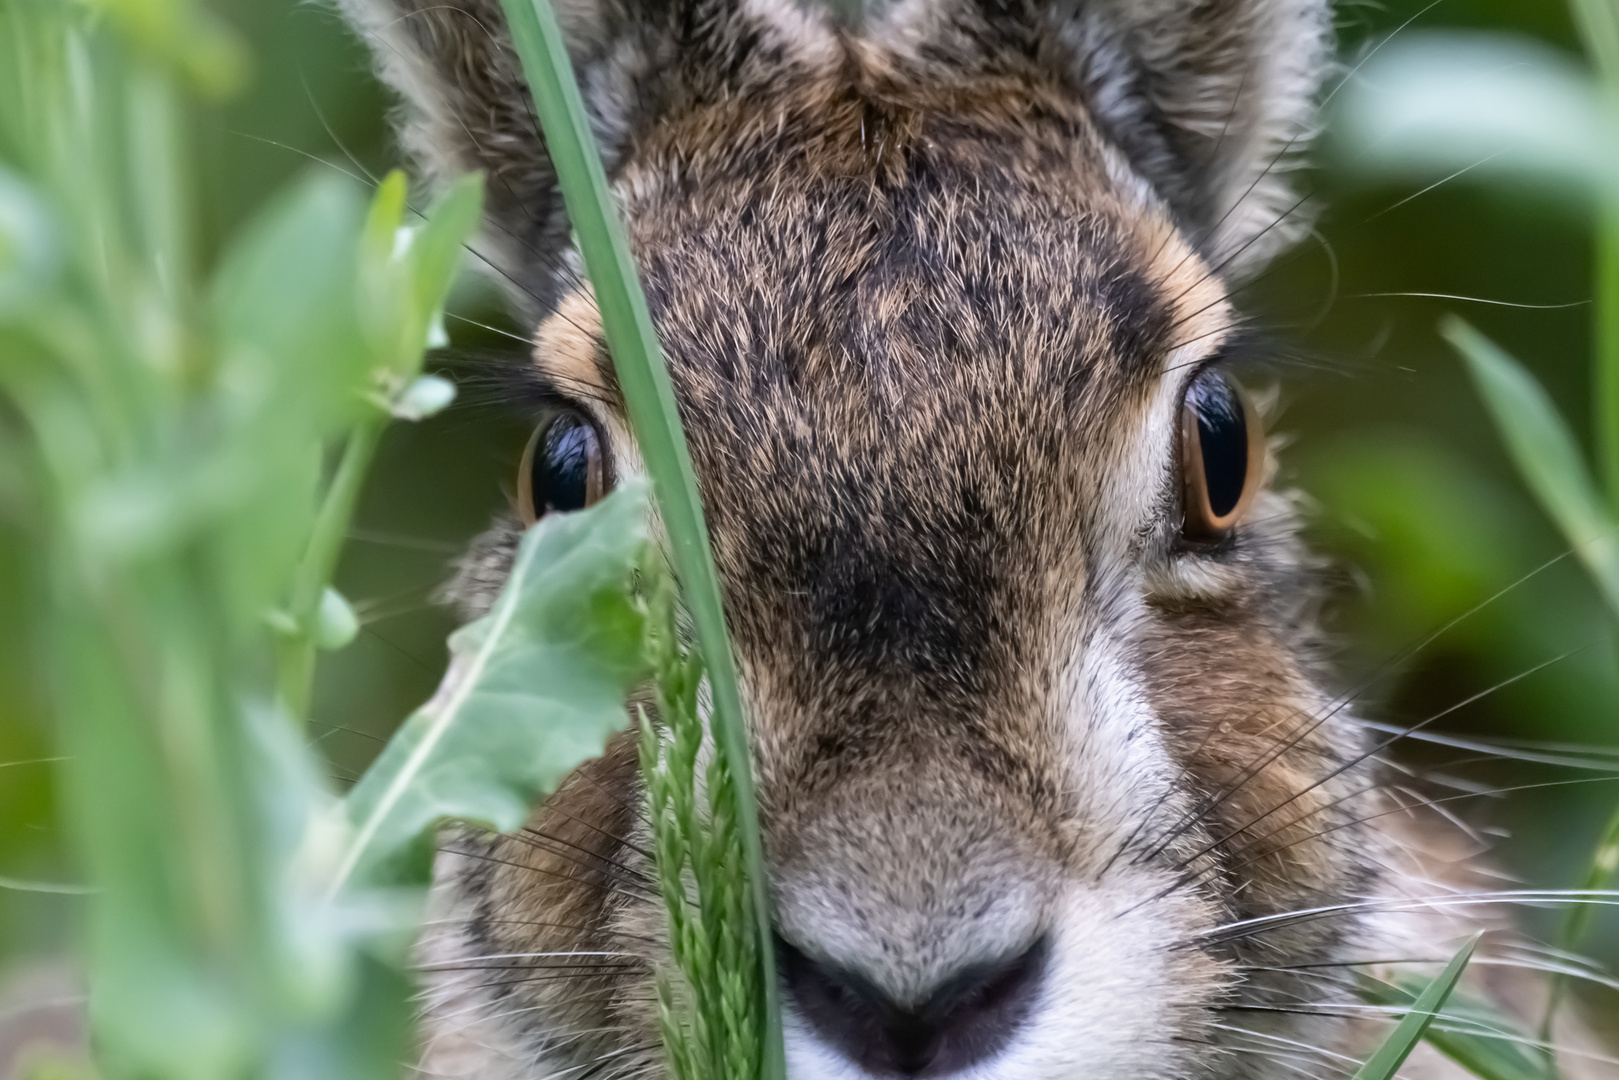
[[1387, 1059], [1544, 450], [1432, 104], [1469, 1031], [534, 688], [285, 304], [297, 369]]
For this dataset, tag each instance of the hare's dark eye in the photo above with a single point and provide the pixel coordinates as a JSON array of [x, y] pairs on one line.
[[1222, 456], [563, 467]]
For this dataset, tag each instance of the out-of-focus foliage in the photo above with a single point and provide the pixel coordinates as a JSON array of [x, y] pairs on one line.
[[185, 451], [163, 430], [1413, 498], [1436, 102], [1454, 108]]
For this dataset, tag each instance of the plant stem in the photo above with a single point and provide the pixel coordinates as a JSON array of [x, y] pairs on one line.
[[314, 572], [649, 397], [1605, 331]]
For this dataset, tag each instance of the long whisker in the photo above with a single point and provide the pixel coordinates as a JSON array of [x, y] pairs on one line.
[[548, 925], [580, 856], [1463, 171], [612, 883], [1377, 749], [1295, 1044], [1337, 705], [532, 837], [1470, 300], [1241, 928]]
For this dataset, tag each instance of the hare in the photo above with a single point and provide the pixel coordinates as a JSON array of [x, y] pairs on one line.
[[1051, 778]]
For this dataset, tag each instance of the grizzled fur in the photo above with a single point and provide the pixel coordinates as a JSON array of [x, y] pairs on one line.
[[931, 295]]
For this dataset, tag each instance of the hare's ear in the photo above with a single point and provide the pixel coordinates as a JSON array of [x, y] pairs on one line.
[[465, 105], [1211, 100]]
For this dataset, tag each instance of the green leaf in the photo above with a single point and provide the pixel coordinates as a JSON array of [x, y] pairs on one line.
[[406, 270], [1544, 450], [1437, 103], [438, 246], [404, 274], [1469, 1031], [534, 688], [1388, 1058], [285, 303]]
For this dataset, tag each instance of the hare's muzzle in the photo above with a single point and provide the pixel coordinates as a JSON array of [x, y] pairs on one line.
[[966, 1018]]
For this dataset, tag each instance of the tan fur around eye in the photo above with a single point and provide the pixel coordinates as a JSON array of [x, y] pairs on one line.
[[565, 348], [1201, 313]]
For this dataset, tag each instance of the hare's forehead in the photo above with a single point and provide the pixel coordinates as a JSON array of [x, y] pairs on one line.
[[916, 409], [1002, 325]]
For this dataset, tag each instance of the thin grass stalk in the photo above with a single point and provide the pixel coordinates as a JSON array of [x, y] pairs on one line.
[[649, 398], [1605, 334], [319, 563], [708, 1016]]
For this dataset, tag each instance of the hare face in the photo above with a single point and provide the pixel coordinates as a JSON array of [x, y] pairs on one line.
[[1035, 714]]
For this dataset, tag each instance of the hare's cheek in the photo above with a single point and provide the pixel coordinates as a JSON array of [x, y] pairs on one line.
[[1192, 579], [1123, 997], [1245, 566]]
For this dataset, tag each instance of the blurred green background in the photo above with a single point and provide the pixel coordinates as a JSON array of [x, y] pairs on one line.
[[1411, 498]]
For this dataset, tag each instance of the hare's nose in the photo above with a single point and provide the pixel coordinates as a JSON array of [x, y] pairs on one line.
[[966, 1018]]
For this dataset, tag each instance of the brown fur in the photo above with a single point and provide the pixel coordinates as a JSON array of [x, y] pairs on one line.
[[929, 298]]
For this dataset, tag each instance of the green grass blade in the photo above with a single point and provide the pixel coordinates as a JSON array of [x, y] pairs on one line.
[[644, 379], [1388, 1058], [1470, 1031], [1544, 451]]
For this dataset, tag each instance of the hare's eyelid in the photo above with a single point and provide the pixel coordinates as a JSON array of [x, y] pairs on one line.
[[1243, 346], [535, 389]]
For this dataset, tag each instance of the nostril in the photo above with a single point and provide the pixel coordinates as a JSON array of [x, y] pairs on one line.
[[966, 1018]]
